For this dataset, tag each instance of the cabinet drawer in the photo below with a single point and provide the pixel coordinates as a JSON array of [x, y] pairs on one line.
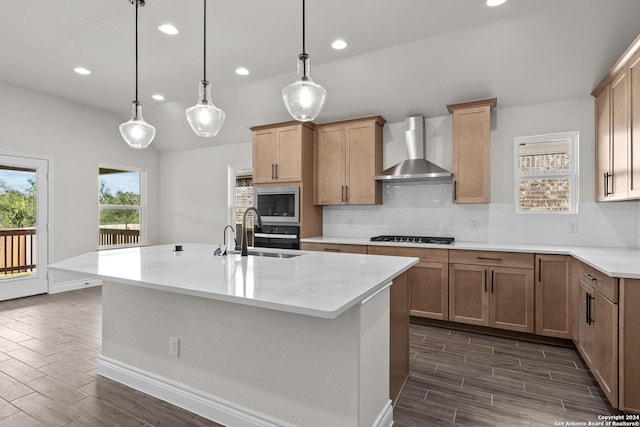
[[605, 285], [497, 259], [334, 247], [425, 255]]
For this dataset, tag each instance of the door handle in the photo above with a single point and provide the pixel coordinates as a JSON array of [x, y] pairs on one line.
[[346, 193], [589, 298], [276, 171], [454, 190], [484, 280], [273, 174], [539, 269], [492, 280], [607, 175]]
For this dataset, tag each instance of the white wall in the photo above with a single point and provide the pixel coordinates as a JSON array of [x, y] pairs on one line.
[[76, 139], [426, 209], [193, 195]]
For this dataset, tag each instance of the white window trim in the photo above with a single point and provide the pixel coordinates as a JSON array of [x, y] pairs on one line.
[[142, 207], [574, 175]]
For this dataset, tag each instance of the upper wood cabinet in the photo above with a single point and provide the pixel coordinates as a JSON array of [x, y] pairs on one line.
[[348, 155], [617, 121], [471, 150], [553, 295], [281, 151]]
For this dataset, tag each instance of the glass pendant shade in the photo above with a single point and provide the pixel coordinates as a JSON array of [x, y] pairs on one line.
[[205, 118], [304, 98], [136, 132]]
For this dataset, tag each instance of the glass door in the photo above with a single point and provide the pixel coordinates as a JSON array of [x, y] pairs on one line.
[[23, 226]]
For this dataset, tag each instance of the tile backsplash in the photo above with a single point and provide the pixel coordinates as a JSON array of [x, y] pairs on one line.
[[421, 208]]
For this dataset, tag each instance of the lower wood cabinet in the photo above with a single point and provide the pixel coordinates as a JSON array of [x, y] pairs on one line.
[[553, 295], [492, 289], [629, 348], [428, 280], [598, 333]]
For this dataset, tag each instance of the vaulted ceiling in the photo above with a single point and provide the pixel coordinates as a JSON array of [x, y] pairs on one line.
[[404, 56]]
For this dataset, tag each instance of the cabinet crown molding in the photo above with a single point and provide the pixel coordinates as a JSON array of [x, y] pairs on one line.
[[620, 64], [491, 102]]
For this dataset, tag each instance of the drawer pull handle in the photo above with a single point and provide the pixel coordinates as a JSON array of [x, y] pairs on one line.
[[482, 258], [331, 250], [590, 277]]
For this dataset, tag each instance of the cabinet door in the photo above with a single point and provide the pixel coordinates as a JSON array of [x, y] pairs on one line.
[[330, 166], [634, 136], [429, 283], [619, 136], [361, 164], [553, 295], [289, 154], [603, 145], [587, 342], [468, 294], [264, 155], [605, 315], [511, 302], [471, 162]]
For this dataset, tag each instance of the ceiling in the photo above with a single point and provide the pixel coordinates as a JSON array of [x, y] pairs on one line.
[[405, 57]]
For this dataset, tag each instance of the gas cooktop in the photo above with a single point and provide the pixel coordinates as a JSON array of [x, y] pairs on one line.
[[414, 239]]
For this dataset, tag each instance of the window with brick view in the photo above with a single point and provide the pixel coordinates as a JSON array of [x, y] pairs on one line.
[[546, 173]]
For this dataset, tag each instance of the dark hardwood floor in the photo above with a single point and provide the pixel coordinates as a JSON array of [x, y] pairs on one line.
[[464, 378], [49, 345]]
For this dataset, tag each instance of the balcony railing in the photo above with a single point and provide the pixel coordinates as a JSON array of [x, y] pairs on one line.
[[116, 236], [17, 250]]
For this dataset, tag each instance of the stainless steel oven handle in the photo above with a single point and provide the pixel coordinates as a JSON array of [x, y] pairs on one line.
[[277, 236]]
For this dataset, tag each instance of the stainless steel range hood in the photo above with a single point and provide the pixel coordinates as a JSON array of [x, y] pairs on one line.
[[416, 167]]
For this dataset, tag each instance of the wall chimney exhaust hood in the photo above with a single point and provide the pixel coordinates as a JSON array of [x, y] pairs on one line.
[[416, 167]]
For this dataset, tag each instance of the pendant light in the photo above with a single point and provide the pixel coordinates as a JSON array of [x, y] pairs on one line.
[[304, 98], [136, 132], [205, 118]]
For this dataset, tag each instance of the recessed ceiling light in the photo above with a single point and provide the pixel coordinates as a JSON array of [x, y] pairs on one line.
[[82, 70], [493, 3], [242, 71], [158, 97], [168, 29], [339, 44]]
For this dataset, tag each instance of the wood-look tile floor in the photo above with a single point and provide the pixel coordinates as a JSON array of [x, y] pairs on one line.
[[49, 346], [464, 378]]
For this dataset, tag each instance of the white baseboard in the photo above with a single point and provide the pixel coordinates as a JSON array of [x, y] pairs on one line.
[[385, 419], [203, 404], [73, 285], [198, 402]]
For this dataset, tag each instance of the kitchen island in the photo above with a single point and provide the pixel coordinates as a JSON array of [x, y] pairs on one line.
[[263, 340]]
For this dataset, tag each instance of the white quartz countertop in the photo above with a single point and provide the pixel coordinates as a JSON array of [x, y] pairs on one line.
[[314, 283], [614, 262]]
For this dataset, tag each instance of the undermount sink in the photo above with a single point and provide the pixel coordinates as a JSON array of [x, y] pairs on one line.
[[273, 254], [267, 254]]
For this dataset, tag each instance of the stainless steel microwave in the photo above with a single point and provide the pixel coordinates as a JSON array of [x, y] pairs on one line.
[[278, 204]]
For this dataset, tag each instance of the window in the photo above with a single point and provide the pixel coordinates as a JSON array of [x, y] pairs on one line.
[[546, 173], [121, 206], [240, 198]]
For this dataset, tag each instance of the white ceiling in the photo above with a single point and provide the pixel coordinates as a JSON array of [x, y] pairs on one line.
[[404, 56]]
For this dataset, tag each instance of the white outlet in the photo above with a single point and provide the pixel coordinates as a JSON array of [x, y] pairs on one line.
[[573, 226], [174, 346], [350, 222], [474, 224]]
